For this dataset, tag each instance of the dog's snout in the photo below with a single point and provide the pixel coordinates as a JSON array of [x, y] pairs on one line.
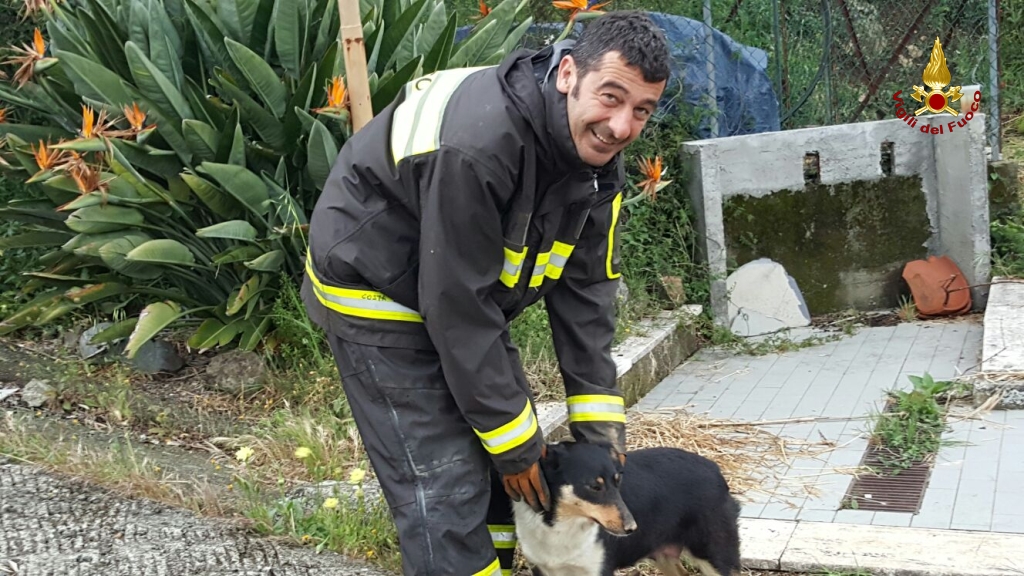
[[628, 523]]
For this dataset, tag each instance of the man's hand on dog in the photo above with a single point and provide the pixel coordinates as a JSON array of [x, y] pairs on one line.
[[529, 484]]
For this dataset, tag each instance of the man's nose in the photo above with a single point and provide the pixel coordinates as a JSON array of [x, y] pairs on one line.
[[621, 124]]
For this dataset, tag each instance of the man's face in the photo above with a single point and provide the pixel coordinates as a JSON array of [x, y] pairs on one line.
[[608, 107]]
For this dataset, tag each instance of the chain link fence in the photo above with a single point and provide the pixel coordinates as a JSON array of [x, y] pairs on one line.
[[840, 61]]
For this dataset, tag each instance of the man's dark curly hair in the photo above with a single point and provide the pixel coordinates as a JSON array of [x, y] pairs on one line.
[[630, 33]]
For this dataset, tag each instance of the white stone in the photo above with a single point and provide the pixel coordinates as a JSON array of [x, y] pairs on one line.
[[1002, 367], [763, 542], [763, 298]]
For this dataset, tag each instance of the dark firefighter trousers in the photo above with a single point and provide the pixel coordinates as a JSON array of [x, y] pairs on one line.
[[452, 514]]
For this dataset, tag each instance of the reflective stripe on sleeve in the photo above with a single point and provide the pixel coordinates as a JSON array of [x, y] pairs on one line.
[[596, 408], [513, 267], [551, 264], [511, 435], [493, 569]]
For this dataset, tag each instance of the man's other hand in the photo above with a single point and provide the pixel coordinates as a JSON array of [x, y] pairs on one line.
[[529, 484]]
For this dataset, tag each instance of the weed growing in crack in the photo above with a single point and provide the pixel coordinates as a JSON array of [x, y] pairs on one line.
[[911, 431]]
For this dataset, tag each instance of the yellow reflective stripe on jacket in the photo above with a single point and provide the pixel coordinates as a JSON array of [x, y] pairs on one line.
[[511, 435], [493, 569], [596, 408], [503, 535], [513, 266], [362, 303], [551, 264], [616, 206], [416, 127]]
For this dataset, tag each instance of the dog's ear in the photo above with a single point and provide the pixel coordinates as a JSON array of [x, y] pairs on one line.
[[551, 454], [620, 456]]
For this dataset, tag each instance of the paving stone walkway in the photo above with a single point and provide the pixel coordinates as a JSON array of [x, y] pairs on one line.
[[975, 482]]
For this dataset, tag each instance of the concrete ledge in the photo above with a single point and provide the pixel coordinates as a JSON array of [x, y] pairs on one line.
[[641, 361], [1002, 367], [849, 548]]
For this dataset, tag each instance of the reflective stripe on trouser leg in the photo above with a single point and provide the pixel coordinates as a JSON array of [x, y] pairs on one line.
[[596, 408], [500, 523], [430, 464]]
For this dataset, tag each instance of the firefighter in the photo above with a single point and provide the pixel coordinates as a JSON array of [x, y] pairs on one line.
[[476, 193]]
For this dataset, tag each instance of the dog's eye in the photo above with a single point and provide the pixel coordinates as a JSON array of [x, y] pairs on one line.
[[597, 487]]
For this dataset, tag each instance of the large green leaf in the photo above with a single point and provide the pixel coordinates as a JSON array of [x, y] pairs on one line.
[[201, 138], [96, 219], [269, 127], [232, 230], [237, 254], [289, 36], [387, 91], [94, 80], [162, 251], [40, 239], [269, 262], [238, 17], [152, 320], [322, 152], [260, 76], [212, 332], [437, 58], [215, 199], [156, 86], [240, 183], [473, 48], [165, 48], [114, 254], [95, 293], [395, 33]]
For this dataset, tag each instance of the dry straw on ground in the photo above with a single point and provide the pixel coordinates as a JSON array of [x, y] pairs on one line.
[[753, 460]]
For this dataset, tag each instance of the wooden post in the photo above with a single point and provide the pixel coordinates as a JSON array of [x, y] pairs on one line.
[[356, 74]]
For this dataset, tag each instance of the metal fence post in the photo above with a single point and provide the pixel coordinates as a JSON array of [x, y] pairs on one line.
[[994, 132], [709, 64]]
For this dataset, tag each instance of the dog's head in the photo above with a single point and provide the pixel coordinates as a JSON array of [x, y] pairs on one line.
[[584, 480]]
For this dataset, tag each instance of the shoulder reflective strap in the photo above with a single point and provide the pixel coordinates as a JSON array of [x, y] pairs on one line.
[[362, 303], [416, 126], [512, 434], [596, 408]]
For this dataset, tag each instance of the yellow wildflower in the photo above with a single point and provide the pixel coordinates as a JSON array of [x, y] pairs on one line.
[[244, 454], [331, 503], [303, 452], [357, 475]]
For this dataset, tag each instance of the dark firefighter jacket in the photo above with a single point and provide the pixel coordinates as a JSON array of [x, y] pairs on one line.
[[459, 205]]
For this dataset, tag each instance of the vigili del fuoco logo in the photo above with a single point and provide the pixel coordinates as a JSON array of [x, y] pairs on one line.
[[936, 76]]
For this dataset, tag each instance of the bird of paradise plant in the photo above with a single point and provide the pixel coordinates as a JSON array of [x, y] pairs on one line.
[[32, 59], [652, 183], [578, 10]]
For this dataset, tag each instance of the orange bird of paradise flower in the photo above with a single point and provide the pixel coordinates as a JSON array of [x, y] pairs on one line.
[[337, 97], [484, 11], [29, 55], [653, 183], [577, 6]]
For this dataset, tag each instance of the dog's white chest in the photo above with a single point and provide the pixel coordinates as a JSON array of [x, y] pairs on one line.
[[569, 548]]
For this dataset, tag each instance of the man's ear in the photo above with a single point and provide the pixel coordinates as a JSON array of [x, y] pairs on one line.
[[566, 76]]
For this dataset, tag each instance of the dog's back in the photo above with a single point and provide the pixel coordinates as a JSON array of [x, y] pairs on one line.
[[682, 505]]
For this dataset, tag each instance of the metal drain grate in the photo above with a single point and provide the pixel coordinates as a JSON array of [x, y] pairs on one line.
[[891, 490], [886, 492]]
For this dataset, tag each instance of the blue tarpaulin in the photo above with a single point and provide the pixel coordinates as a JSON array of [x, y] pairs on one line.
[[745, 97]]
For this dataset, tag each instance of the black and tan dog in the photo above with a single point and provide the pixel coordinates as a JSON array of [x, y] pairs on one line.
[[609, 513]]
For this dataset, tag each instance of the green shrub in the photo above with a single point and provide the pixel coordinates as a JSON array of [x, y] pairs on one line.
[[183, 143]]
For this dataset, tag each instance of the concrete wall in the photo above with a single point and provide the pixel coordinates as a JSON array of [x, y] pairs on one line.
[[943, 209]]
